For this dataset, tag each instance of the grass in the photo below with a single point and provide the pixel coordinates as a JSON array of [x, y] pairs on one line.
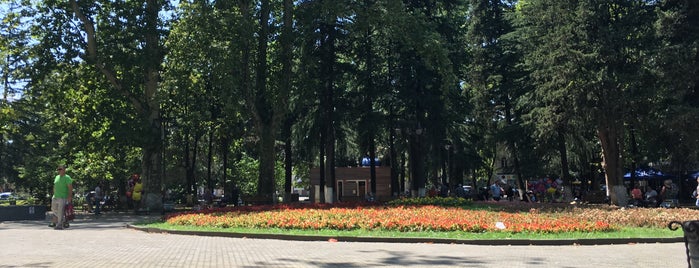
[[628, 232]]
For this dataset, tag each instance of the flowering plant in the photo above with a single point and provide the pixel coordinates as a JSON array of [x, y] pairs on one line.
[[436, 218]]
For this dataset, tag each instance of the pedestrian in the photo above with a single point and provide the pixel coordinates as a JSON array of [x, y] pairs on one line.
[[432, 192], [137, 193], [668, 194], [651, 197], [460, 192], [62, 194], [509, 192], [696, 192], [636, 196], [97, 199], [495, 191]]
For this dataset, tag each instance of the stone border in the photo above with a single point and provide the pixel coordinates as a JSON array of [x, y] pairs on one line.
[[491, 242]]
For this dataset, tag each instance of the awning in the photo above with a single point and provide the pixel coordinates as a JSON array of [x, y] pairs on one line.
[[648, 174]]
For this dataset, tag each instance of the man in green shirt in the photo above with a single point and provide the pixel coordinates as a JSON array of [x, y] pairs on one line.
[[62, 194]]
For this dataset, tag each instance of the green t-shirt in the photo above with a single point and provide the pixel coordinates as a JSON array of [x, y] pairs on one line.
[[60, 185]]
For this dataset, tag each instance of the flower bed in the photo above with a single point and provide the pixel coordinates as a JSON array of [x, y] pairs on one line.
[[435, 214], [413, 218]]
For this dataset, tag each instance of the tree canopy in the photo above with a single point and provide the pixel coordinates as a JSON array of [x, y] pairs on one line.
[[248, 95]]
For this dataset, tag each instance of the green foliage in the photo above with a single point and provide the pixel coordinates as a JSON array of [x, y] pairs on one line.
[[535, 81], [247, 173]]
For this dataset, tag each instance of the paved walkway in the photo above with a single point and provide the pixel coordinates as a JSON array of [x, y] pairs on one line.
[[107, 242]]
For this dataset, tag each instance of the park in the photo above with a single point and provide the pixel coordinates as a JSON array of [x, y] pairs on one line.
[[432, 119]]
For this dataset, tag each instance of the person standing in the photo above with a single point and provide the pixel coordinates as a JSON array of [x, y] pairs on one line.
[[137, 194], [62, 194], [495, 191], [98, 199], [697, 191]]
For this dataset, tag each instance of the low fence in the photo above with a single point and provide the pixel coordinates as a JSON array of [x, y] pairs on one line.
[[18, 213]]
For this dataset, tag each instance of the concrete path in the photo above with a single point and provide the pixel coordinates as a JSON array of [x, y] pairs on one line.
[[107, 242]]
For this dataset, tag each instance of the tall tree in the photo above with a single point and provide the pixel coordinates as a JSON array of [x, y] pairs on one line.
[[593, 66], [422, 76], [14, 66], [675, 107], [492, 80], [266, 101], [286, 58], [127, 49]]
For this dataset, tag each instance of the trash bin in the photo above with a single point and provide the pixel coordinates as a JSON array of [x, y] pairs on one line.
[[691, 240]]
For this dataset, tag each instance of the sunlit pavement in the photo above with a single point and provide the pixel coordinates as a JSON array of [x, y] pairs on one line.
[[106, 241]]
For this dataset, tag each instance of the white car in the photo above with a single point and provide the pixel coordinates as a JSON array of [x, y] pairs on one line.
[[6, 195]]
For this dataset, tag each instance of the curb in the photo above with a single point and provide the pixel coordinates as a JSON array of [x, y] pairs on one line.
[[490, 242]]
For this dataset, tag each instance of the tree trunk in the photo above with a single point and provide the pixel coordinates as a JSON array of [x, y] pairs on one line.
[[457, 170], [372, 166], [634, 152], [565, 174], [417, 160], [609, 135], [287, 57], [395, 187], [265, 183], [327, 101], [151, 163], [401, 173], [321, 165], [153, 51], [227, 187], [263, 110], [191, 162], [330, 164], [209, 178], [288, 176]]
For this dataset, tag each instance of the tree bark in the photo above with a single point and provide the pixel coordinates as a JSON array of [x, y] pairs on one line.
[[327, 101], [262, 109], [417, 166], [609, 135], [565, 174], [321, 165], [266, 185], [288, 163], [395, 185], [209, 178], [286, 58], [372, 165], [227, 187]]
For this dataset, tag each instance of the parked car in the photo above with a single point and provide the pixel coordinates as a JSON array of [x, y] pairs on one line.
[[7, 196]]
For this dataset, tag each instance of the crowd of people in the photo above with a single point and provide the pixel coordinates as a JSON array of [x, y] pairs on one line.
[[545, 190], [552, 190], [650, 196]]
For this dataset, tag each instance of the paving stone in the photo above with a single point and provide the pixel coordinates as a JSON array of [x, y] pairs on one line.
[[106, 242]]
